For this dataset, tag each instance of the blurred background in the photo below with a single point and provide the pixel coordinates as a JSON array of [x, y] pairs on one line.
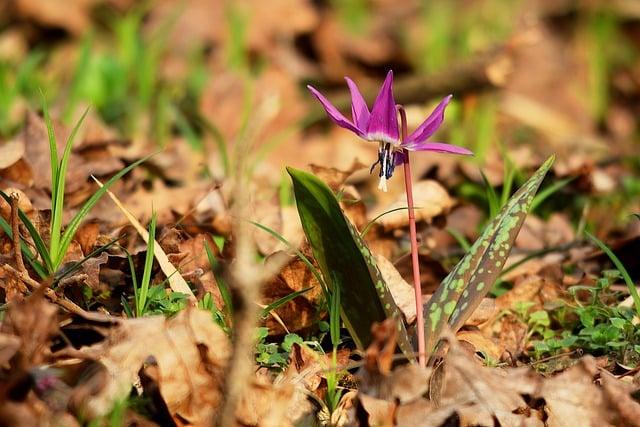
[[529, 78]]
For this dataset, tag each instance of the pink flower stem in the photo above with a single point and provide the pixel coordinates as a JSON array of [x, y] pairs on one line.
[[414, 244]]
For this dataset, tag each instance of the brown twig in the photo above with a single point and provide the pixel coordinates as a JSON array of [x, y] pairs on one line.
[[15, 230], [245, 276], [54, 297]]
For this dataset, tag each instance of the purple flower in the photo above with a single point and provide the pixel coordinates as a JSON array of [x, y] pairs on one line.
[[381, 125]]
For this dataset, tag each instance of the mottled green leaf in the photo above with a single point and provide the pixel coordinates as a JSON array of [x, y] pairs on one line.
[[345, 261], [462, 290]]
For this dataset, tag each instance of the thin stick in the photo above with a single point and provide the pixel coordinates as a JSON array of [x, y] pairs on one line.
[[15, 230], [414, 245]]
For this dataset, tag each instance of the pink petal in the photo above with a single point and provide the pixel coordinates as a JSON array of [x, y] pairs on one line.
[[438, 147], [383, 123], [400, 158], [431, 124], [333, 112], [359, 109]]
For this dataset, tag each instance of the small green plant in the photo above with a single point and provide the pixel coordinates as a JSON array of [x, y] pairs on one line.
[[592, 323], [274, 355], [149, 299], [141, 292], [334, 393], [52, 255]]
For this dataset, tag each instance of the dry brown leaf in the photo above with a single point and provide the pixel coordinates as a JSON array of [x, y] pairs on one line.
[[334, 177], [430, 200], [74, 17], [485, 311], [10, 152], [301, 312], [572, 399], [284, 221], [191, 352], [481, 393], [480, 343]]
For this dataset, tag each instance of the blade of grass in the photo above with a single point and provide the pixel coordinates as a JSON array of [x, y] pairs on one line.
[[41, 247], [507, 182], [548, 191], [74, 224], [26, 252], [282, 301], [53, 157], [625, 274], [299, 254], [492, 197], [462, 241], [373, 221], [57, 197], [78, 264], [225, 293], [141, 302], [176, 281], [134, 279]]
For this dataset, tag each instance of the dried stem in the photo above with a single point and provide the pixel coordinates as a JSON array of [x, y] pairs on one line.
[[417, 287], [15, 230], [245, 276]]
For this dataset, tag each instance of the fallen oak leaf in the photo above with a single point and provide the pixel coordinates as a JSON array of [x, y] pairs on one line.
[[191, 353]]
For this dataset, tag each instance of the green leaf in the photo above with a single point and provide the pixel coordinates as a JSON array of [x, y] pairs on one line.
[[57, 197], [74, 224], [33, 232], [625, 274], [492, 197], [143, 294], [282, 301], [225, 292], [345, 261], [462, 290], [39, 268]]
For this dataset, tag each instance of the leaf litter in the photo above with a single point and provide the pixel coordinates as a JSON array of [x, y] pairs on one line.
[[554, 343]]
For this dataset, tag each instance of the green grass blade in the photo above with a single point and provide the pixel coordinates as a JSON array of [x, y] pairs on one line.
[[57, 197], [507, 182], [345, 261], [473, 277], [74, 224], [625, 274], [373, 221], [76, 266], [462, 241], [282, 301], [548, 192], [134, 279], [492, 197], [53, 151], [26, 252], [225, 292], [41, 247], [334, 319], [312, 268], [141, 302]]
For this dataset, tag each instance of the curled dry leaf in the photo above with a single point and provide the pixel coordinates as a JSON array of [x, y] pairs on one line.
[[301, 312], [334, 177], [10, 152], [191, 353], [283, 220], [430, 199]]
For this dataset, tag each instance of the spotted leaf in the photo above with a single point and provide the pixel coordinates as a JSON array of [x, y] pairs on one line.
[[345, 261], [462, 290]]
